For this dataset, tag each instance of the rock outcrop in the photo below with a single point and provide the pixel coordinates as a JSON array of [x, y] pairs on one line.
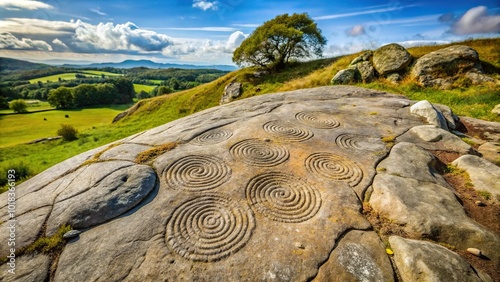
[[391, 58], [440, 68], [270, 188], [232, 91]]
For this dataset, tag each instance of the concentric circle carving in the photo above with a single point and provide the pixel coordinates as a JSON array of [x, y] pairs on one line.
[[209, 227], [359, 142], [283, 197], [211, 137], [317, 120], [287, 131], [197, 173], [257, 152], [333, 167]]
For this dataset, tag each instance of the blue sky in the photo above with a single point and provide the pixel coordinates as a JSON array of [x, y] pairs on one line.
[[208, 31]]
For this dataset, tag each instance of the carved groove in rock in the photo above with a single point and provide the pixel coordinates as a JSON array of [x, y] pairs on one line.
[[197, 173], [259, 153], [287, 131], [359, 142], [212, 137], [333, 167], [319, 120], [283, 197], [209, 227]]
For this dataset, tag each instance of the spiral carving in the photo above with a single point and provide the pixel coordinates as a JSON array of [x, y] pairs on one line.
[[359, 142], [317, 120], [259, 153], [209, 227], [287, 131], [283, 197], [212, 137], [197, 173], [333, 167]]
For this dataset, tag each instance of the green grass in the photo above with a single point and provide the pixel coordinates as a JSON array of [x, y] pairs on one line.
[[139, 87], [71, 76], [33, 106], [23, 128]]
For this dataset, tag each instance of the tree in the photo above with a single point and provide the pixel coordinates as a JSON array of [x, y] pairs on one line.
[[3, 103], [61, 98], [278, 40], [85, 95], [18, 106]]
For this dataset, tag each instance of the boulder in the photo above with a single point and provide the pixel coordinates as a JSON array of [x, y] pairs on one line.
[[391, 58], [426, 261], [439, 68], [347, 76], [366, 71], [490, 151], [365, 57], [27, 269], [394, 78], [483, 174], [427, 111], [232, 91]]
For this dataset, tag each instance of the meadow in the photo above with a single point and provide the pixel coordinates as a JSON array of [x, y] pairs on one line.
[[23, 128], [71, 76]]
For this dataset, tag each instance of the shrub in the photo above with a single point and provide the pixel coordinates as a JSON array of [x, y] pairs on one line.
[[18, 106], [22, 171], [68, 132]]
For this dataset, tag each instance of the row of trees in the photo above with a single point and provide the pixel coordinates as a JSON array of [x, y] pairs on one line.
[[121, 91]]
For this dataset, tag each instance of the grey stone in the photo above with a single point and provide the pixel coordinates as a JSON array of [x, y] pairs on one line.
[[71, 234], [451, 118], [346, 76], [359, 256], [27, 269], [232, 91], [483, 174], [123, 152], [426, 110], [106, 199], [425, 209], [431, 137], [365, 57], [366, 71], [426, 261], [391, 58], [478, 78], [439, 68], [394, 77], [490, 151], [489, 130]]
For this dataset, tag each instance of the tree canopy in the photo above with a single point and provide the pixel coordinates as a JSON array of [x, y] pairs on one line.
[[278, 40]]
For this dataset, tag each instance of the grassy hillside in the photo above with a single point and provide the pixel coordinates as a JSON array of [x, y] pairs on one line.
[[476, 101]]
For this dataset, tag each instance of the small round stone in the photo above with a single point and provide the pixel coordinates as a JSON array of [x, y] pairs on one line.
[[474, 251], [71, 234]]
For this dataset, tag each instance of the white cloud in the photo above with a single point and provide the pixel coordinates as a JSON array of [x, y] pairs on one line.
[[477, 20], [206, 5], [356, 30], [415, 43], [58, 42], [98, 11], [366, 12], [203, 28], [235, 40], [16, 5], [36, 26], [120, 37], [9, 41]]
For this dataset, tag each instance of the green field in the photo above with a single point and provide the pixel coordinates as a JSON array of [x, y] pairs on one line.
[[33, 106], [71, 76], [139, 87], [23, 128]]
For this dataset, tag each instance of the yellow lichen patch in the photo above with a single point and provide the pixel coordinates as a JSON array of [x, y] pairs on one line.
[[149, 155]]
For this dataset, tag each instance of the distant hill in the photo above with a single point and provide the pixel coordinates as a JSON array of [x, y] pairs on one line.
[[8, 65], [128, 64]]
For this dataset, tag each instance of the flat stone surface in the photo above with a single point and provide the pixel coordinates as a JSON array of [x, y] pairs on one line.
[[425, 261], [269, 188], [491, 152], [484, 175], [431, 137], [28, 269], [359, 256]]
